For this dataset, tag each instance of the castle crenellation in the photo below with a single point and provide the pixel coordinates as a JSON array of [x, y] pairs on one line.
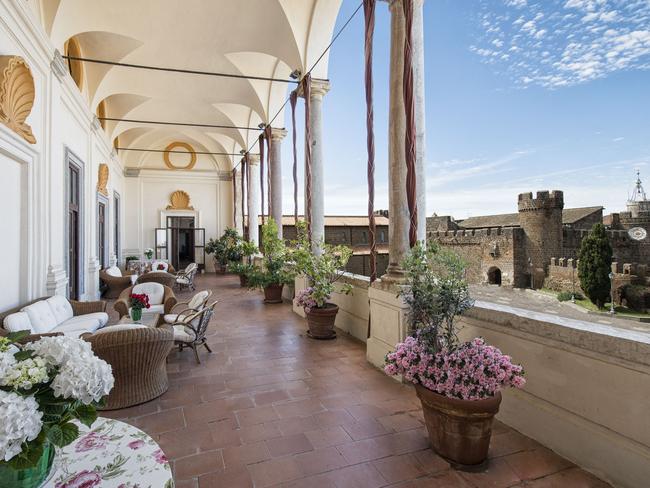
[[542, 240]]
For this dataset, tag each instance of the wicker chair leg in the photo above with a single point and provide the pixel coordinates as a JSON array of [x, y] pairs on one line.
[[207, 347], [196, 353]]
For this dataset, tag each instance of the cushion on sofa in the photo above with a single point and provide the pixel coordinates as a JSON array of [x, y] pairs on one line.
[[155, 291], [119, 327], [114, 271], [151, 310], [41, 317], [61, 308], [17, 321], [100, 317], [74, 324]]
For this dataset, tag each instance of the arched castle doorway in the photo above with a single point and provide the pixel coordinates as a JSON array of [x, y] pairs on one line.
[[494, 276]]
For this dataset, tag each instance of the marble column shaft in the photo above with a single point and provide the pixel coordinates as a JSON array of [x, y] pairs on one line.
[[254, 198], [276, 176]]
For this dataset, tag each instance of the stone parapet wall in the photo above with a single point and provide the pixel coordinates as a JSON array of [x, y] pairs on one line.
[[587, 387]]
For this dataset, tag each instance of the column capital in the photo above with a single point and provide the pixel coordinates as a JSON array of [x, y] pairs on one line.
[[319, 87], [254, 159], [278, 134]]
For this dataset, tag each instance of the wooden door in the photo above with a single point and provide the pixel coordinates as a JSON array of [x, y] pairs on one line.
[[74, 222]]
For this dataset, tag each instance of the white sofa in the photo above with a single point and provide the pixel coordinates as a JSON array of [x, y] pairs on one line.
[[56, 315]]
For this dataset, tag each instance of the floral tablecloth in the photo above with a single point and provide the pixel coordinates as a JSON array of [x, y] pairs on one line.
[[112, 454]]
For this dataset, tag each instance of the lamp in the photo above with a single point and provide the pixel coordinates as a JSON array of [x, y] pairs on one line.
[[611, 292]]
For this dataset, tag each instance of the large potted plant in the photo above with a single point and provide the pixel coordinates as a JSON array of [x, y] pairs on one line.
[[322, 270], [275, 270], [224, 250], [458, 383], [46, 387], [244, 267]]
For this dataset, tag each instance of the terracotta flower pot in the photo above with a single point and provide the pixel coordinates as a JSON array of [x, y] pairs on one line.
[[243, 280], [459, 430], [321, 321], [273, 293]]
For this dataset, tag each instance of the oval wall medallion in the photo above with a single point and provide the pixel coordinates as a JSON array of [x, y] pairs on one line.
[[16, 95], [183, 145], [179, 200]]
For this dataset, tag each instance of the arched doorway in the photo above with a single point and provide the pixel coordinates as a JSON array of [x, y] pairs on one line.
[[494, 276]]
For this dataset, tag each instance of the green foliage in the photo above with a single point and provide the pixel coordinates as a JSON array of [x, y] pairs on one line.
[[131, 258], [275, 269], [595, 265], [242, 269], [322, 269], [565, 296], [436, 292], [227, 248]]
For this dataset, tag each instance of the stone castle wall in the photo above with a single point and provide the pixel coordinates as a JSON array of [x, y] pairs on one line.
[[484, 249], [625, 249]]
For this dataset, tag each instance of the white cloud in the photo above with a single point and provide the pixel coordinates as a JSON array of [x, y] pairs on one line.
[[516, 3], [563, 43]]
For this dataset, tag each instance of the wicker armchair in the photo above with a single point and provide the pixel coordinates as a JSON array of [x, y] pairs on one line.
[[190, 331], [138, 358], [121, 306], [115, 284], [78, 308], [162, 277], [185, 278]]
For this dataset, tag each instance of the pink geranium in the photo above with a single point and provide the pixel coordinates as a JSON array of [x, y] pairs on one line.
[[472, 371]]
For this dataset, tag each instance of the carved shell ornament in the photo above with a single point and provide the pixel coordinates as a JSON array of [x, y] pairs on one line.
[[16, 95], [102, 179], [179, 200]]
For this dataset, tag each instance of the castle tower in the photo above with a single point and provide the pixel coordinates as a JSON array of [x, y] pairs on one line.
[[541, 220]]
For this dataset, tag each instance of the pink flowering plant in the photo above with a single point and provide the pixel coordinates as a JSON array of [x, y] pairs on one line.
[[437, 292]]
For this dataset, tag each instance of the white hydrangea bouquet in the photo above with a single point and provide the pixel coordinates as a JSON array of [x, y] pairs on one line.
[[44, 386]]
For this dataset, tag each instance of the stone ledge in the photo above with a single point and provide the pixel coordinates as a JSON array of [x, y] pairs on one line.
[[598, 338]]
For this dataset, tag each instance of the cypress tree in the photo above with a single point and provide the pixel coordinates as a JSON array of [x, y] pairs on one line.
[[595, 265]]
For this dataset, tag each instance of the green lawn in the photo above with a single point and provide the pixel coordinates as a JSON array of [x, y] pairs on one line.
[[624, 311]]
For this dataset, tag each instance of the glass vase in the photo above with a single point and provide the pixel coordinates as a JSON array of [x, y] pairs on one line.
[[136, 314], [33, 477]]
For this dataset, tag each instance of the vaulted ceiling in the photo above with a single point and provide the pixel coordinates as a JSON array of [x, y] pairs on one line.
[[267, 38]]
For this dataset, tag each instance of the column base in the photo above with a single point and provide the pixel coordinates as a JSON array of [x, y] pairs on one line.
[[57, 281], [388, 324], [92, 285], [395, 275]]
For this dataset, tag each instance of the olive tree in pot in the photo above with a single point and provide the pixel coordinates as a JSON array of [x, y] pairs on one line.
[[322, 270], [458, 383], [224, 250], [244, 267], [275, 270]]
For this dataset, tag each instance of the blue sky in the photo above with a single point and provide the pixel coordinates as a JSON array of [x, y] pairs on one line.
[[521, 95]]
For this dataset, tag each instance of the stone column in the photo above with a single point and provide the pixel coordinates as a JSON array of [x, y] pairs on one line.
[[239, 220], [318, 89], [254, 198], [398, 212], [417, 39], [276, 176]]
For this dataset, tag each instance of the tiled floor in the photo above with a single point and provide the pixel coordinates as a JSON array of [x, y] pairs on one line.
[[270, 407]]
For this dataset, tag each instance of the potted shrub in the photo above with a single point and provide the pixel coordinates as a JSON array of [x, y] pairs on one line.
[[458, 383], [244, 267], [275, 270], [44, 386], [224, 250], [322, 270]]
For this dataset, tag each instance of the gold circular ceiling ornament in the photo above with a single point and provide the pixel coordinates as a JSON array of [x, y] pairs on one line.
[[183, 145]]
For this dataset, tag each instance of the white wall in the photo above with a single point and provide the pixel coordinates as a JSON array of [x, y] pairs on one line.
[[61, 120]]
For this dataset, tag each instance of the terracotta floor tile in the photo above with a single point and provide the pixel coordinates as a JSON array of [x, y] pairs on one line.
[[497, 474], [266, 381], [536, 463], [572, 477], [257, 415], [399, 468], [269, 473], [239, 456], [292, 444], [331, 436], [230, 478], [198, 464], [320, 461], [399, 422]]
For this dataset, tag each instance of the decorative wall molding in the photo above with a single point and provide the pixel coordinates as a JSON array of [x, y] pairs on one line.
[[17, 95], [96, 125], [58, 67], [179, 200], [184, 145], [102, 179], [57, 281]]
